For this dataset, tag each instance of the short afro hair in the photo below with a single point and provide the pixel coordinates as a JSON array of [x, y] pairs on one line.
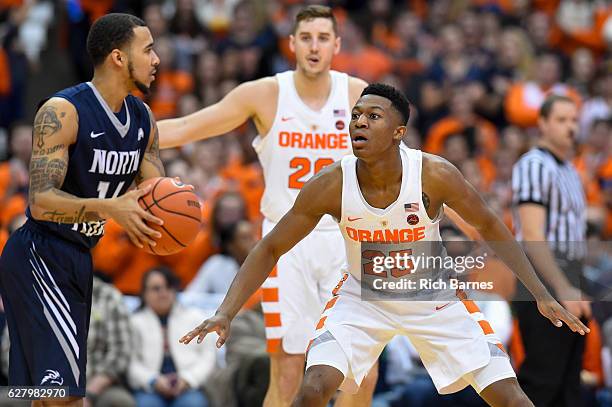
[[397, 98], [110, 32]]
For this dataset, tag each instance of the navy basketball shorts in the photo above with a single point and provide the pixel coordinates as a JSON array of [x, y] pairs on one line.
[[46, 288]]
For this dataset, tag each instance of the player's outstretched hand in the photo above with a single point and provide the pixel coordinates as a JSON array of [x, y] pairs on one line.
[[552, 310], [218, 323], [127, 212]]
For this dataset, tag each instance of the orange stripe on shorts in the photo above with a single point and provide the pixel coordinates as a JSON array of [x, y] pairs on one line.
[[272, 319], [273, 345], [486, 327], [331, 303], [470, 306], [270, 294], [321, 323]]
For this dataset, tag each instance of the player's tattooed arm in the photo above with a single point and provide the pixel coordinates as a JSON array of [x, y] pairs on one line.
[[151, 165], [426, 201], [55, 129]]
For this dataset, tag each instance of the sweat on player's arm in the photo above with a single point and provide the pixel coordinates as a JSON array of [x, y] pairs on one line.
[[444, 184], [55, 130], [320, 195]]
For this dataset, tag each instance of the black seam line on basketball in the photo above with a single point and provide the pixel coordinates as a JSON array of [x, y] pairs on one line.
[[162, 198], [152, 192], [152, 248], [167, 231], [156, 203], [179, 213]]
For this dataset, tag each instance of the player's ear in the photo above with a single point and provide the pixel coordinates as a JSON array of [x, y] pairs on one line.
[[292, 43], [117, 57], [399, 132], [337, 45]]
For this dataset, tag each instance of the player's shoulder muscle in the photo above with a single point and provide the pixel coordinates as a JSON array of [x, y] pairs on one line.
[[356, 86], [57, 116]]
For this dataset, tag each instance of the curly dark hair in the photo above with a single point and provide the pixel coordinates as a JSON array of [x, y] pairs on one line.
[[110, 32]]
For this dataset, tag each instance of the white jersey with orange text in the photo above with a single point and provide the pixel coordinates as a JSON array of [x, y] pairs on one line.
[[454, 340], [301, 142]]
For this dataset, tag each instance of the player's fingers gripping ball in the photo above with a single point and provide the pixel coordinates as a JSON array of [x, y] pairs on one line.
[[178, 206]]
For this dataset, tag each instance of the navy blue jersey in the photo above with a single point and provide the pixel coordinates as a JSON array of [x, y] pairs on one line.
[[105, 158]]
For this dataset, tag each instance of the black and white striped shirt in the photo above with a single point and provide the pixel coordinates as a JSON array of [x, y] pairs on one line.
[[541, 178]]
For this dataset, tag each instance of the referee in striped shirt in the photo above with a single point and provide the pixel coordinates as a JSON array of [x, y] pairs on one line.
[[549, 206]]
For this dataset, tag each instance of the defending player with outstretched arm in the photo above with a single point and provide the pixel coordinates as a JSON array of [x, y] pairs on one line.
[[375, 140]]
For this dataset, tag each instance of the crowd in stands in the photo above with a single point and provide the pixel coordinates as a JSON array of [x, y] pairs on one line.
[[475, 71]]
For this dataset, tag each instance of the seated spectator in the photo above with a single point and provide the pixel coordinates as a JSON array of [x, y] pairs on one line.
[[358, 58], [524, 99], [599, 106], [162, 371], [14, 175], [236, 241], [244, 379], [108, 348]]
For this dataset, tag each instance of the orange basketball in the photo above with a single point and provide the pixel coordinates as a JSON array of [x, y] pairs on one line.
[[179, 208]]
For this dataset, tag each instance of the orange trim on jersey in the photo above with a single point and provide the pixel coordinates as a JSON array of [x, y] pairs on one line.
[[321, 323], [272, 320], [500, 346], [471, 306], [274, 272], [273, 345], [486, 327], [270, 294], [331, 303], [339, 285]]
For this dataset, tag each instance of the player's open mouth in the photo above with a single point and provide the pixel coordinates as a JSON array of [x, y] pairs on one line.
[[313, 60], [359, 139]]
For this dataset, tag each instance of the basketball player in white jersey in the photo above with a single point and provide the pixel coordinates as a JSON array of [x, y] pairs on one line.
[[369, 195], [302, 119]]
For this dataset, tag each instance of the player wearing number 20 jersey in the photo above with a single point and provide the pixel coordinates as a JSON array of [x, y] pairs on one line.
[[299, 144]]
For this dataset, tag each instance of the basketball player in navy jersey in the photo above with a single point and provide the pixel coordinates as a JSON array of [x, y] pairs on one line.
[[91, 142]]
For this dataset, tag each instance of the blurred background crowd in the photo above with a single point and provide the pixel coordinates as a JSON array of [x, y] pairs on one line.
[[476, 72]]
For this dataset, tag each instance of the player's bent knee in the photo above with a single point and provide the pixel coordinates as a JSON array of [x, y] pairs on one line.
[[506, 393], [319, 385], [519, 399]]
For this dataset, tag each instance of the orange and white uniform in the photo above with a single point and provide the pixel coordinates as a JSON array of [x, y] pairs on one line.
[[455, 342], [299, 144]]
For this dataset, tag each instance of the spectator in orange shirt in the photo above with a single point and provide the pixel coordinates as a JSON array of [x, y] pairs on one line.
[[14, 174], [595, 157], [358, 58], [171, 82], [524, 99], [480, 133]]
